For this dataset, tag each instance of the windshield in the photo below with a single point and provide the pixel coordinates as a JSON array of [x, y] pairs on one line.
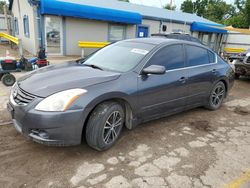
[[119, 57]]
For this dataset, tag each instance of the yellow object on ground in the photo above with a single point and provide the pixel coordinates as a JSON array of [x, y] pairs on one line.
[[245, 31], [86, 44], [239, 182], [9, 37], [234, 50]]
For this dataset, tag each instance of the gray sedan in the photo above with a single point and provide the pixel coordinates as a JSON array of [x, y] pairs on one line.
[[121, 85]]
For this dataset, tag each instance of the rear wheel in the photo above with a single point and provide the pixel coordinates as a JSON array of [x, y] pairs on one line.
[[105, 125], [8, 79], [217, 96]]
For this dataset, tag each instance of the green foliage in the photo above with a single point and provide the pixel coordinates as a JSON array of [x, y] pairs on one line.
[[2, 4], [239, 4], [170, 7], [247, 12], [200, 7], [187, 6], [124, 1], [237, 21], [219, 11]]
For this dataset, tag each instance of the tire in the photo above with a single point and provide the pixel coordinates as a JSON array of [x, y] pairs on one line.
[[217, 96], [99, 132], [236, 76], [8, 79]]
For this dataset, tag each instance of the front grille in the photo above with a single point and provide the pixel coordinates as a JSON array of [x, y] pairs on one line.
[[21, 97]]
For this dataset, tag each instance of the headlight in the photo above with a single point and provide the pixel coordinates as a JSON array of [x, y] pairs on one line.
[[61, 101]]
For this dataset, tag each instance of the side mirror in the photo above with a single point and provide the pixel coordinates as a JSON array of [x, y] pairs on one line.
[[154, 69]]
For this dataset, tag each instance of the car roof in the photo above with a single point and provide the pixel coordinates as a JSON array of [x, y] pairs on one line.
[[152, 40], [160, 40]]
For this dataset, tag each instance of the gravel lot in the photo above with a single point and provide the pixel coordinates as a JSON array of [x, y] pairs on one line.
[[198, 148]]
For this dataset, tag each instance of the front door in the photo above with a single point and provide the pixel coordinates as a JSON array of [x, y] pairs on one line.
[[53, 35], [164, 94], [142, 31]]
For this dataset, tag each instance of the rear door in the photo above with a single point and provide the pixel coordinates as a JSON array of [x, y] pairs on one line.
[[164, 94], [201, 73]]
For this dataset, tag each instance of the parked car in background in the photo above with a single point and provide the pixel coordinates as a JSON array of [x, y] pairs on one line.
[[179, 36], [241, 63], [121, 85]]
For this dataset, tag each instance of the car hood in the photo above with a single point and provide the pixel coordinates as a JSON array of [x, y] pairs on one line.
[[52, 79]]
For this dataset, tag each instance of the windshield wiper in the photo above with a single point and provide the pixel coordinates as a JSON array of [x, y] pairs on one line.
[[93, 66]]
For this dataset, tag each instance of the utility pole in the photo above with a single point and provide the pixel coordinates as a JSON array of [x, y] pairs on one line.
[[6, 19]]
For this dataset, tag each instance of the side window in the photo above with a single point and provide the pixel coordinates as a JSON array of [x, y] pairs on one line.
[[211, 57], [196, 55], [26, 26], [116, 32], [171, 57], [16, 27]]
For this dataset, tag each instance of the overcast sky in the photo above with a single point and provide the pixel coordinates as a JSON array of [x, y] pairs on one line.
[[160, 3]]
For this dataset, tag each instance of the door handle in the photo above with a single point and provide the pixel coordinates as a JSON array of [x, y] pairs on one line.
[[214, 71], [183, 79]]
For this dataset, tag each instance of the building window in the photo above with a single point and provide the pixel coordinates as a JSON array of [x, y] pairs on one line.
[[116, 33], [26, 26], [16, 27]]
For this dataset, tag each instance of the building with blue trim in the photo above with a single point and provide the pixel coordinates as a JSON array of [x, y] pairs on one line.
[[60, 24]]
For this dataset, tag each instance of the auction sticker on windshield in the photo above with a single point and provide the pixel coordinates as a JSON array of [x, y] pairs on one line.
[[139, 51]]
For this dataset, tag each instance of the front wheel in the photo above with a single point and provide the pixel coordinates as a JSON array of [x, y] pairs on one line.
[[217, 96], [105, 125]]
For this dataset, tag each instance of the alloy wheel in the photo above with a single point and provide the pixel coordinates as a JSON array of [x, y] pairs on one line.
[[112, 127], [218, 95]]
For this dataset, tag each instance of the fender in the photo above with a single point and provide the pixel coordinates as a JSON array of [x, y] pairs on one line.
[[129, 105]]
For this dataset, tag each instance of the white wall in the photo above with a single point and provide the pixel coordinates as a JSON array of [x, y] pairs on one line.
[[2, 23], [88, 30], [237, 40], [19, 10], [154, 26]]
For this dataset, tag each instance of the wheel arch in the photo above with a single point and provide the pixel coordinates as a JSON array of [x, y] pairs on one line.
[[225, 82], [121, 99]]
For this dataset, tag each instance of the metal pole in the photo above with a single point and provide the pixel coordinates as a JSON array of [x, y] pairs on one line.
[[20, 47], [82, 52]]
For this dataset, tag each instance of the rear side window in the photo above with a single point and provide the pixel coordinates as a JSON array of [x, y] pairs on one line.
[[171, 57], [196, 55], [211, 57]]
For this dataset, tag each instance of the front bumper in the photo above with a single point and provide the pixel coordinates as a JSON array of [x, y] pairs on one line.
[[49, 128]]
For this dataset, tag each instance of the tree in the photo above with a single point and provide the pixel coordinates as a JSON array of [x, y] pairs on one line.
[[170, 7], [247, 12], [239, 4], [237, 21], [218, 10], [187, 6], [124, 1], [200, 7], [2, 4]]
